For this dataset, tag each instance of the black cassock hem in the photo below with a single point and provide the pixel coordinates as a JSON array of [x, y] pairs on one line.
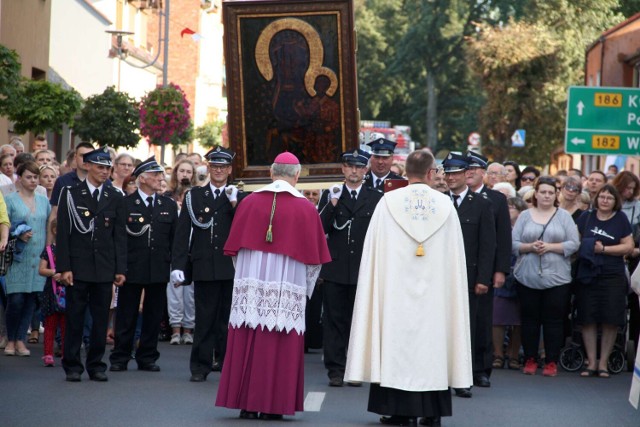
[[391, 401]]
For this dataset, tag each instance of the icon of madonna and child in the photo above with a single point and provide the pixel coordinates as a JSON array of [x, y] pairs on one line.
[[291, 97]]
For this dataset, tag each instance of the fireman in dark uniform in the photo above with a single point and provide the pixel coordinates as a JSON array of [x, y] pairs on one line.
[[345, 218], [479, 235], [91, 255], [151, 223], [380, 163], [203, 228]]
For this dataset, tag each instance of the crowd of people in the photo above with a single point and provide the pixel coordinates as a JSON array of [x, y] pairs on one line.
[[111, 251]]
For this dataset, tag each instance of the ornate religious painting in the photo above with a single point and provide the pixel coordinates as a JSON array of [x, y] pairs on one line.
[[291, 83]]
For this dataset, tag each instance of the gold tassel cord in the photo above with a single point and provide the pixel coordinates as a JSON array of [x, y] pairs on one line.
[[420, 250], [269, 237]]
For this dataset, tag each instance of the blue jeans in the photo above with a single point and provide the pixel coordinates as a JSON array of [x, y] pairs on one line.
[[20, 308]]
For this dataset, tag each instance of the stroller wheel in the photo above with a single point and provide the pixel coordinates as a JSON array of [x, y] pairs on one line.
[[631, 355], [571, 358], [616, 361]]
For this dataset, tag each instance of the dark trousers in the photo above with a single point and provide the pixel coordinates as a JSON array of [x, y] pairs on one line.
[[97, 296], [213, 305], [337, 306], [546, 309], [481, 323], [155, 300]]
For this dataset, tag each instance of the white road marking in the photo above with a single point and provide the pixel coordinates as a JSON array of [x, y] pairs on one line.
[[313, 401]]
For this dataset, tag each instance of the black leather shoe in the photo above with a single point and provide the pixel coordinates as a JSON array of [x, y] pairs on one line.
[[270, 417], [431, 421], [336, 382], [99, 376], [463, 392], [248, 415], [354, 384], [481, 381], [118, 367], [151, 367], [73, 377], [396, 420], [198, 378]]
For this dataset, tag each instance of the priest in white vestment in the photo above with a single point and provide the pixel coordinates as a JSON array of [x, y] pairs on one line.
[[410, 335]]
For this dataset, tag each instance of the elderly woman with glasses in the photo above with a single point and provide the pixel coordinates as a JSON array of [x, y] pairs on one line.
[[544, 237], [602, 295], [570, 197], [122, 168]]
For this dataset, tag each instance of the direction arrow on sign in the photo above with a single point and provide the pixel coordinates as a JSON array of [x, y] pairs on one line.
[[603, 121]]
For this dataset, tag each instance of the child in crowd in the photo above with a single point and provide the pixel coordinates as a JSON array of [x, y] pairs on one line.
[[53, 300]]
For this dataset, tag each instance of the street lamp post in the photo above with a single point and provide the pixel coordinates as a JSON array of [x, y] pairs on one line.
[[165, 62]]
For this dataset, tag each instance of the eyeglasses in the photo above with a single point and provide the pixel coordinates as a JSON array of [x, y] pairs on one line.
[[125, 165], [606, 198], [494, 173], [528, 178]]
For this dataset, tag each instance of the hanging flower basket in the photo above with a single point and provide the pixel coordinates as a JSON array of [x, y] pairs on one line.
[[164, 116]]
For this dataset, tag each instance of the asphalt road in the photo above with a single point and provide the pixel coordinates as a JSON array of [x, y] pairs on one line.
[[32, 395]]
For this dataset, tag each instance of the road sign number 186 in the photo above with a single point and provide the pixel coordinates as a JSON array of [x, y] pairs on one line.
[[605, 142], [608, 100]]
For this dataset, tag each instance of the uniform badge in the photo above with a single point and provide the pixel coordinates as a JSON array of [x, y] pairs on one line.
[[137, 201], [141, 219], [218, 150], [86, 213], [159, 202], [355, 153], [206, 209], [206, 192]]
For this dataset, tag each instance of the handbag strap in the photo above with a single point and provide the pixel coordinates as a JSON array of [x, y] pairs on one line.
[[52, 264], [545, 226]]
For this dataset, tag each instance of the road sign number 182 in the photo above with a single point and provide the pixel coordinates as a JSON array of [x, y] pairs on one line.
[[605, 142]]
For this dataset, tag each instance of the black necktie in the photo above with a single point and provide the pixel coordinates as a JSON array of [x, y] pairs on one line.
[[217, 193], [354, 194], [95, 195], [378, 183], [150, 202], [455, 200]]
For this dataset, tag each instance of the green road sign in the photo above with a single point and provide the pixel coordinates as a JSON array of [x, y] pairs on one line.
[[603, 120]]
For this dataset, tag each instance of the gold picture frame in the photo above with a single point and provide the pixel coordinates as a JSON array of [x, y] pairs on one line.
[[291, 85]]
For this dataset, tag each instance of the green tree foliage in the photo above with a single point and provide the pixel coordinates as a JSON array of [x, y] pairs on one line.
[[401, 42], [9, 77], [516, 63], [43, 106], [629, 7], [210, 133], [111, 118], [525, 69]]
